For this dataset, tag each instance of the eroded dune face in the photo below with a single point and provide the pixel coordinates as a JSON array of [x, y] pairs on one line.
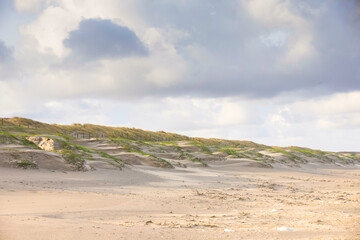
[[22, 158], [45, 143]]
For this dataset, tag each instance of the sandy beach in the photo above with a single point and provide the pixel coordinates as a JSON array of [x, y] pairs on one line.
[[218, 202]]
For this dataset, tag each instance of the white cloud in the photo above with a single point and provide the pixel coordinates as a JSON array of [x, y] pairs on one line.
[[275, 38], [56, 21], [81, 111], [336, 104], [340, 110], [179, 114], [330, 122], [163, 68], [277, 14], [10, 101], [32, 6], [50, 29]]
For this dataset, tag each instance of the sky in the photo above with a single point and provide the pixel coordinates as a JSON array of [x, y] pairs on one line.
[[277, 72]]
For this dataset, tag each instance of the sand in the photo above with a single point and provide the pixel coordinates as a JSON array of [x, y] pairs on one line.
[[218, 202]]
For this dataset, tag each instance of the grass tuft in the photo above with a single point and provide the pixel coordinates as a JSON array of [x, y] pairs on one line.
[[25, 164]]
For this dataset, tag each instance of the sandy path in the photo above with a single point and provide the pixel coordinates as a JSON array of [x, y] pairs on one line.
[[148, 203]]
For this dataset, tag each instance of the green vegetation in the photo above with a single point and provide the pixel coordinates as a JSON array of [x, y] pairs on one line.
[[127, 145], [203, 147], [182, 165], [28, 143], [259, 156], [76, 154], [108, 156], [251, 153], [130, 146], [143, 143], [236, 153], [229, 143], [305, 151], [74, 159], [66, 137], [173, 144], [71, 146], [230, 152], [353, 156], [195, 159], [7, 138], [77, 130], [25, 164], [289, 155], [314, 153], [163, 163], [189, 156]]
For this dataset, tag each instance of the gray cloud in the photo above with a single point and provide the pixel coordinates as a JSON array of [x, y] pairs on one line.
[[212, 49], [337, 41], [97, 38], [239, 64], [5, 52], [4, 7]]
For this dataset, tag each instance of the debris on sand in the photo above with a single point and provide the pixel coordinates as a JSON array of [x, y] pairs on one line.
[[282, 229], [228, 230]]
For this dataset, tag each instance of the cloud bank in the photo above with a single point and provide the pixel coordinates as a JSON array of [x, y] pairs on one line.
[[246, 69]]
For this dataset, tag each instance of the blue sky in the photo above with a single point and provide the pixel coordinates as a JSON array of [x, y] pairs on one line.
[[276, 72]]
